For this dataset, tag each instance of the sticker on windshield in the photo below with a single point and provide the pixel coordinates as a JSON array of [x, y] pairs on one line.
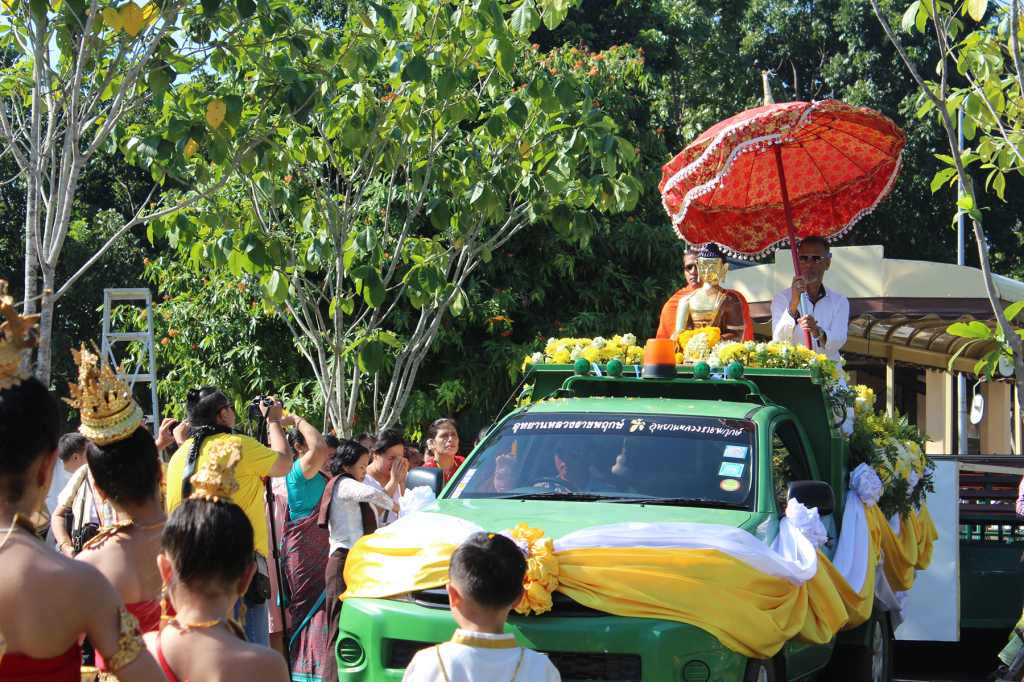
[[462, 484], [731, 469], [735, 451], [730, 485]]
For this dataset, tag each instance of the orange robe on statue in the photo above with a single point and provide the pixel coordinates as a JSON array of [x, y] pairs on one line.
[[667, 325]]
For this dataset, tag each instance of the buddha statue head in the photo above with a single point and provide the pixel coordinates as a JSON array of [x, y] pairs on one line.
[[711, 264]]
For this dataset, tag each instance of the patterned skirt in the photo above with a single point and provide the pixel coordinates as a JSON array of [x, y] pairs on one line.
[[303, 559]]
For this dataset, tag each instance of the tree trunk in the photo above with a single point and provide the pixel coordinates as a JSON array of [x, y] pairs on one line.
[[44, 353]]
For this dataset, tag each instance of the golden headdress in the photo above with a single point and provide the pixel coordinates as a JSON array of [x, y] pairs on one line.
[[216, 481], [103, 399], [19, 334]]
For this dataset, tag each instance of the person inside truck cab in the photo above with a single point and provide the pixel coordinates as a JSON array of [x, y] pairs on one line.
[[572, 465]]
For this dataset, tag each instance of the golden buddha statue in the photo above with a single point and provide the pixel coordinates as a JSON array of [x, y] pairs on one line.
[[712, 305]]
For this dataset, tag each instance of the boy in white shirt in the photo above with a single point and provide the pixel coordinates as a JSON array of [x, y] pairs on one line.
[[485, 582]]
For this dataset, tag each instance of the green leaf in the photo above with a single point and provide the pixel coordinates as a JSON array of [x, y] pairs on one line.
[[565, 93], [999, 185], [1014, 310], [525, 19], [495, 126], [246, 8], [385, 15], [373, 288], [910, 16], [371, 357], [459, 303], [417, 70], [390, 339], [977, 9], [366, 240], [506, 53], [941, 178], [485, 254], [974, 330], [441, 216], [409, 19], [447, 84], [516, 111], [210, 7], [277, 287], [553, 16]]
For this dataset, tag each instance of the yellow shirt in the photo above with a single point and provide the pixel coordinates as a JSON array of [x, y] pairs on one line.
[[257, 461]]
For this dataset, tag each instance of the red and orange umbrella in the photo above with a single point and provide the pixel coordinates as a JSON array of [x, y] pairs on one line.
[[781, 172]]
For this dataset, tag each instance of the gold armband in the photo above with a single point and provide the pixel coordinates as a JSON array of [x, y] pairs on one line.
[[131, 642]]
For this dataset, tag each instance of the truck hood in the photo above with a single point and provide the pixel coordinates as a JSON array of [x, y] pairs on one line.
[[558, 518]]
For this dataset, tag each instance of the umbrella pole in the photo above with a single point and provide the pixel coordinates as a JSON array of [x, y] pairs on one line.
[[789, 225]]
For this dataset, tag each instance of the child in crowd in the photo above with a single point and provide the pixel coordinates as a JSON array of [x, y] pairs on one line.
[[349, 509], [485, 582], [206, 565]]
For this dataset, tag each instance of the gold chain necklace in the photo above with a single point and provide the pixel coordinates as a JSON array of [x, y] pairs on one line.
[[444, 673], [185, 627], [155, 525]]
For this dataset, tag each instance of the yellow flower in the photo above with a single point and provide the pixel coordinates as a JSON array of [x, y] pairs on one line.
[[591, 353], [560, 357]]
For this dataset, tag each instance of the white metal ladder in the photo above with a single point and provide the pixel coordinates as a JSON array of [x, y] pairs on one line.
[[111, 297]]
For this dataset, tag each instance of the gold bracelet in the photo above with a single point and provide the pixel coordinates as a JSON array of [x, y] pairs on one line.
[[131, 642]]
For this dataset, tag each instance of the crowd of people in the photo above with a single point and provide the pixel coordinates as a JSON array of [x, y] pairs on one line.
[[159, 556]]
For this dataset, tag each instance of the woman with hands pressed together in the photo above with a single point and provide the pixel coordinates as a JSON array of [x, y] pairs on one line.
[[388, 468]]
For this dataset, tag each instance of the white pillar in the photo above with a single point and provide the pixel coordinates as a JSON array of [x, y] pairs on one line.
[[995, 425], [890, 381], [938, 412]]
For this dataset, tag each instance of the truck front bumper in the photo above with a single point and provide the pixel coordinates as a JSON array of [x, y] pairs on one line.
[[378, 637]]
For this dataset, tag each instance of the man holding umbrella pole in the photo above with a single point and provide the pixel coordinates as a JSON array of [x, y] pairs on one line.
[[826, 313]]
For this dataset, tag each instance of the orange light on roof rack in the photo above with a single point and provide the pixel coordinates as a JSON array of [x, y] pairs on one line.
[[660, 359]]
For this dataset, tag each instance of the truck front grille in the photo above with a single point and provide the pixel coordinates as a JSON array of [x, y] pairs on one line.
[[572, 665]]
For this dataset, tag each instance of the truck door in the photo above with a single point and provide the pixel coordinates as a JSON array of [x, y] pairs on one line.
[[790, 462]]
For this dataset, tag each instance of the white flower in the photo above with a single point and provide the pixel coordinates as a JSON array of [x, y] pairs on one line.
[[807, 521], [598, 342], [415, 499], [576, 354], [522, 544], [629, 340], [761, 348], [537, 358], [866, 483], [561, 348], [715, 361], [750, 346], [913, 481]]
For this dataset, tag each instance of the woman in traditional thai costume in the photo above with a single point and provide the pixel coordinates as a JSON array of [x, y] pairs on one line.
[[125, 466], [304, 555], [350, 509], [206, 564], [47, 601]]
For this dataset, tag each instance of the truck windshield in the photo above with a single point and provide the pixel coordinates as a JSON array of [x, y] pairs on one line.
[[690, 461]]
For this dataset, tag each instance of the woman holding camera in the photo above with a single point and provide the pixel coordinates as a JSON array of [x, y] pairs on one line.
[[211, 418]]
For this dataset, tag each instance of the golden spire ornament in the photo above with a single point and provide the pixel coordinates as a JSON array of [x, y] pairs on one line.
[[103, 400], [216, 481], [19, 334]]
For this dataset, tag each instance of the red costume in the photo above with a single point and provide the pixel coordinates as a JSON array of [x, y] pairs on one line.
[[64, 668]]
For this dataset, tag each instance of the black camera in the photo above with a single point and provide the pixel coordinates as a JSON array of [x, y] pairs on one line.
[[255, 412]]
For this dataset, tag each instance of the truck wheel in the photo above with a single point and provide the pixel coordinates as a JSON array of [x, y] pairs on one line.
[[859, 663], [759, 670]]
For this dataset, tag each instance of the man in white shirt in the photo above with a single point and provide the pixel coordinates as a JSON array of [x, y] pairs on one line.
[[828, 319]]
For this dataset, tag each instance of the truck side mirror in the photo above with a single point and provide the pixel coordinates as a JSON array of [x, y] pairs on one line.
[[432, 477], [810, 494]]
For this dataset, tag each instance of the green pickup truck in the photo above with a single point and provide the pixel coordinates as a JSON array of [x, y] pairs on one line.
[[593, 449]]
